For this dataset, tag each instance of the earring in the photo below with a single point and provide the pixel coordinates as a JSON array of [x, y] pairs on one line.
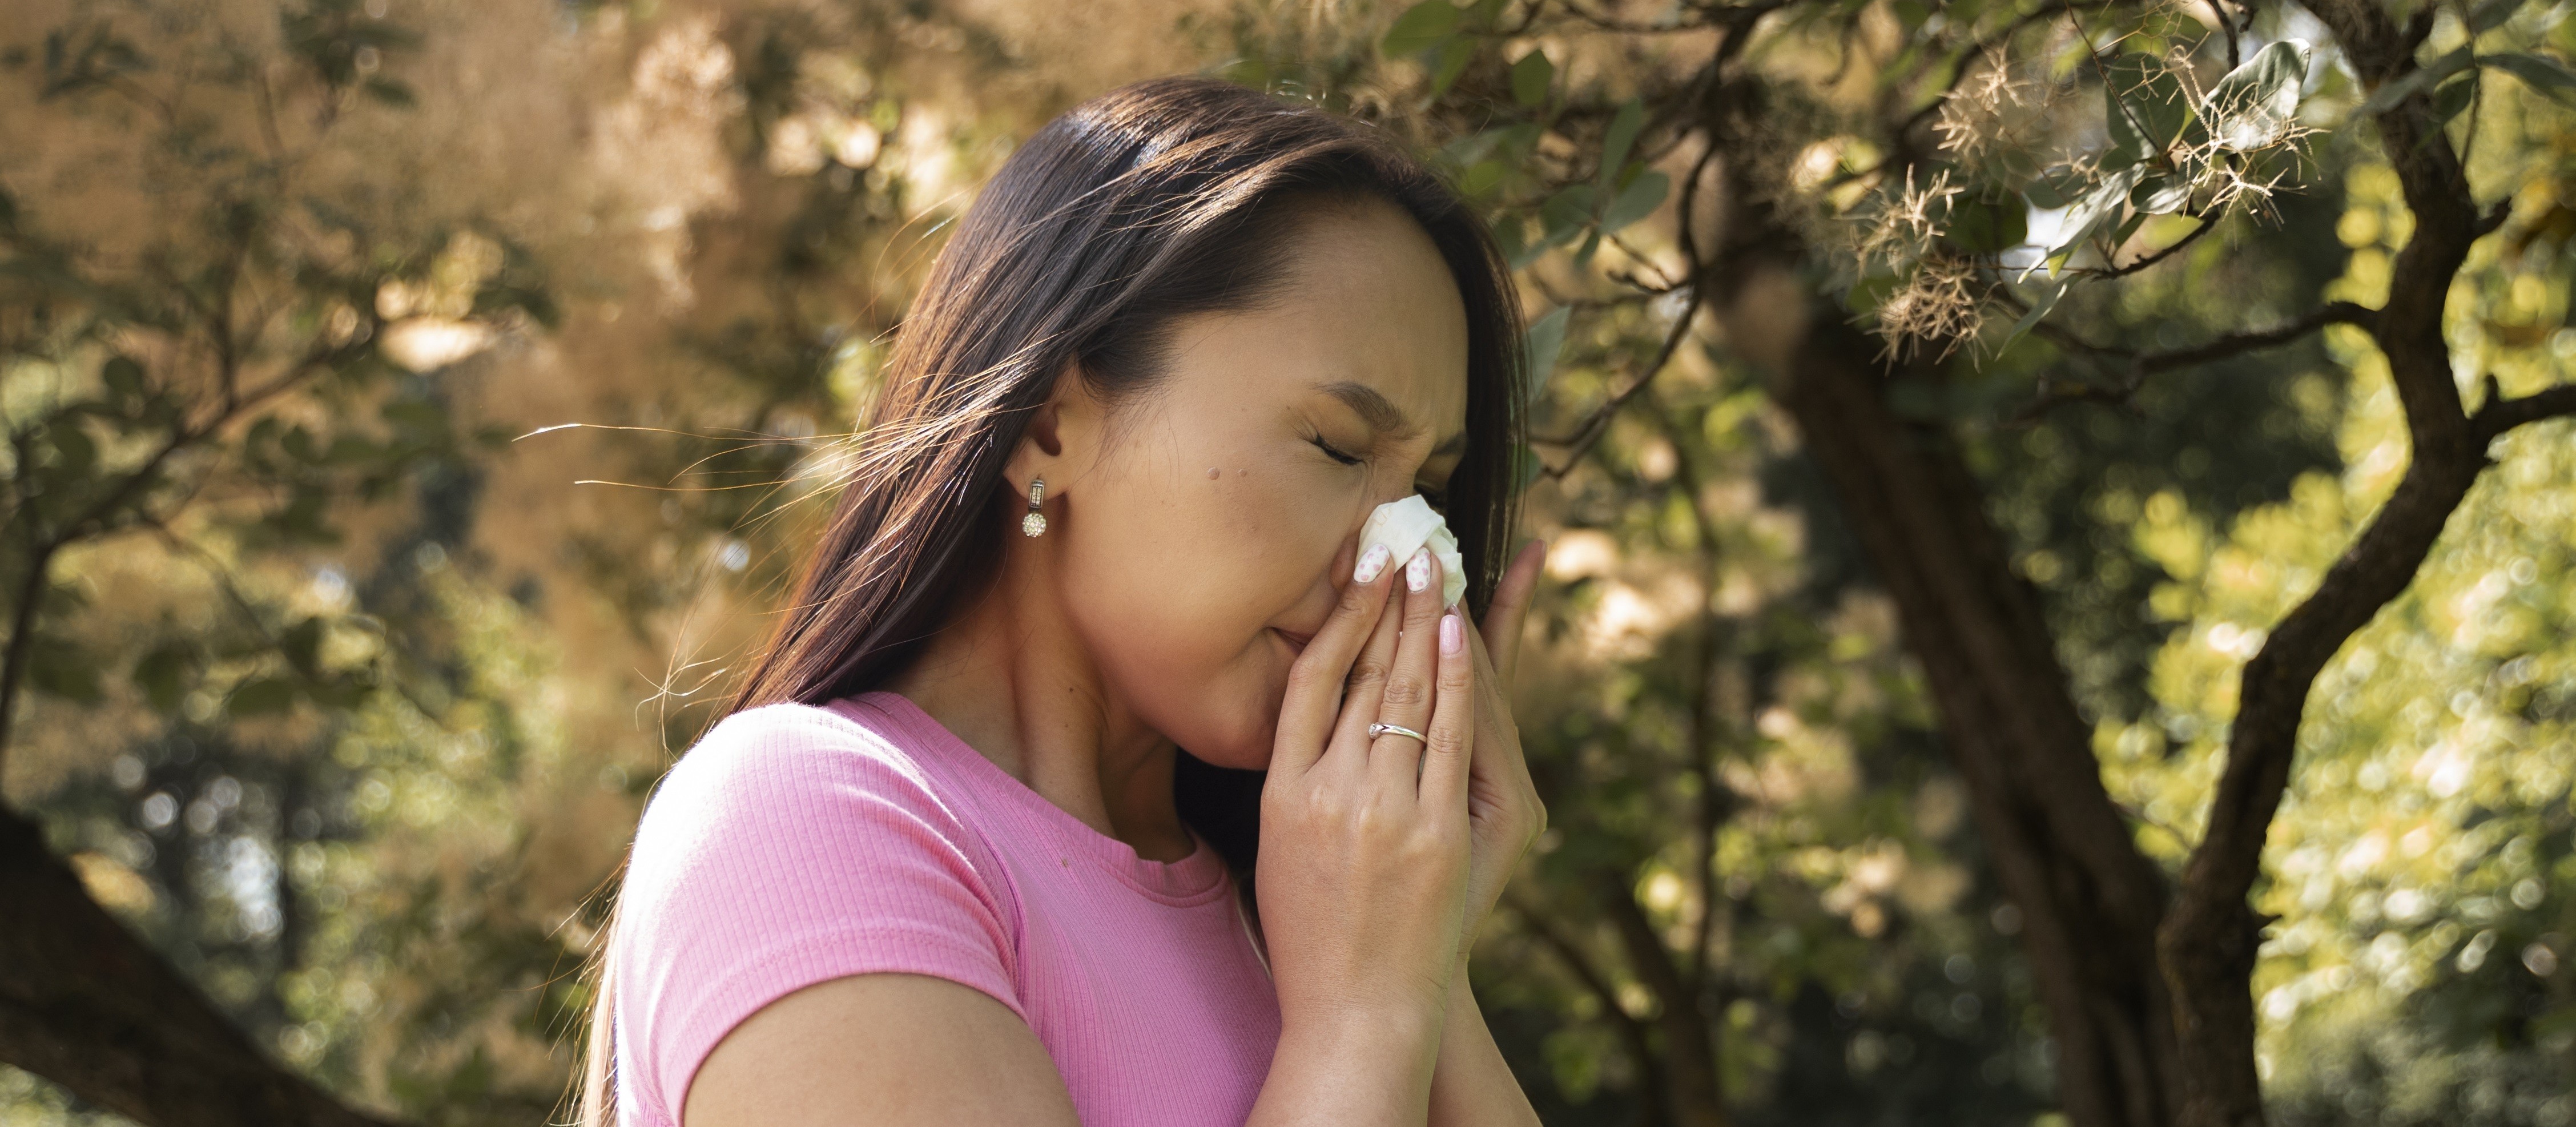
[[1034, 524]]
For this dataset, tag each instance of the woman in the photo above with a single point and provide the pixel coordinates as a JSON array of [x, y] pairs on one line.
[[946, 861]]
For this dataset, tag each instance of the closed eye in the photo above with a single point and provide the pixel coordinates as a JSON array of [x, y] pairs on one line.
[[1334, 454]]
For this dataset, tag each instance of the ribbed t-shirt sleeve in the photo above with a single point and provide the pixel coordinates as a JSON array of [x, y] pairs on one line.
[[789, 847]]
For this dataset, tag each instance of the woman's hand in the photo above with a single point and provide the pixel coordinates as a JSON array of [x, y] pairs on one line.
[[1365, 840], [1503, 808]]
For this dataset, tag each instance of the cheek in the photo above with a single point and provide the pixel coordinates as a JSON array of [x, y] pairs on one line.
[[1174, 579]]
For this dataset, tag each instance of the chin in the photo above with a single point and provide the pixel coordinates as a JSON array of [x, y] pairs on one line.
[[1244, 748], [1237, 721]]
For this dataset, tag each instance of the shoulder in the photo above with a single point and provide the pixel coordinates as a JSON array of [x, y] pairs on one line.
[[790, 810], [792, 845], [781, 766]]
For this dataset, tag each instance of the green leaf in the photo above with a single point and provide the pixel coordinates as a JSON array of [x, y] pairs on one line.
[[2128, 227], [2145, 106], [1540, 345], [1636, 201], [1455, 53], [2491, 15], [2097, 207], [123, 377], [265, 696], [1868, 293], [298, 444], [2055, 188], [162, 674], [1567, 213], [1624, 127], [74, 453], [2391, 93], [57, 667], [2453, 97], [1511, 234], [302, 646], [1531, 77], [1420, 28], [391, 93], [2039, 308], [2540, 72], [1989, 224], [2257, 103], [2161, 194]]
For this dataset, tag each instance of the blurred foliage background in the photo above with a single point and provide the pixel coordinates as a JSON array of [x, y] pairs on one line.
[[511, 345]]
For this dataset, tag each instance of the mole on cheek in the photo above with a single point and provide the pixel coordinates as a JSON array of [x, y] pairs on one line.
[[1212, 473]]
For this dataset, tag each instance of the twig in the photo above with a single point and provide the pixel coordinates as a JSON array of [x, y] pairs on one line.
[[2139, 366], [2501, 414], [1579, 441], [1580, 965]]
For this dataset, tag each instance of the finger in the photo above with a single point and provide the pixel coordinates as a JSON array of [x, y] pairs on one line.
[[1407, 698], [1447, 755], [1510, 608], [1367, 683], [1315, 679], [1495, 760]]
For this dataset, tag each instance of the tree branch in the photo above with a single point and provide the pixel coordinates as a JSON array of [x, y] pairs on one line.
[[1579, 964], [2139, 366], [2501, 414], [22, 636], [1579, 440], [1690, 1044], [2208, 942], [85, 1004]]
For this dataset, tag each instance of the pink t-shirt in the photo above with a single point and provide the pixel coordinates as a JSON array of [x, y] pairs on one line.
[[795, 844]]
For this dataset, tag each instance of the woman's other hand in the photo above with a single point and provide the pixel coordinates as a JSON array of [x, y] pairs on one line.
[[1503, 808], [1365, 840]]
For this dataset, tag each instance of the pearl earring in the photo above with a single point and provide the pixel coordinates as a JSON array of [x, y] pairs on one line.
[[1034, 524]]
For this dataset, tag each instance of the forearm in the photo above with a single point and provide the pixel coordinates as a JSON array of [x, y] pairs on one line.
[[1471, 1085], [1362, 1070]]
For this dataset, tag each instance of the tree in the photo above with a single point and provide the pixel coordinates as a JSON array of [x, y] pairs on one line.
[[217, 386], [1960, 125], [1940, 405]]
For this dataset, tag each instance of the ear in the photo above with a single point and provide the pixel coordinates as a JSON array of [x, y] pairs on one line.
[[1062, 437]]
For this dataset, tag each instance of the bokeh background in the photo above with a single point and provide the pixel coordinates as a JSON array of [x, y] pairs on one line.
[[515, 346]]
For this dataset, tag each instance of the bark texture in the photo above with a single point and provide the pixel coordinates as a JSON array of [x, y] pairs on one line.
[[2209, 941], [85, 1004], [2090, 902]]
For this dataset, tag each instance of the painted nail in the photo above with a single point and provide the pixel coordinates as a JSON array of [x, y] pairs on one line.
[[1452, 635], [1417, 571], [1371, 564]]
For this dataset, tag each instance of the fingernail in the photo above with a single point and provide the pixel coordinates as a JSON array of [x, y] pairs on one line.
[[1417, 571], [1452, 635], [1371, 564]]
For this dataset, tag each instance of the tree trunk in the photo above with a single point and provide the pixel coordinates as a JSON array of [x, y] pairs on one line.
[[85, 1004], [1692, 1090], [2090, 901]]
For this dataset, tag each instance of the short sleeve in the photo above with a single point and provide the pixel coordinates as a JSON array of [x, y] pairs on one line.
[[790, 846]]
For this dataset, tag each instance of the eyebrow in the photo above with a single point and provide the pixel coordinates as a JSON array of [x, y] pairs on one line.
[[1384, 416]]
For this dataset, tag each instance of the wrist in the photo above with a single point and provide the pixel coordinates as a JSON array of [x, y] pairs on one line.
[[1366, 1029]]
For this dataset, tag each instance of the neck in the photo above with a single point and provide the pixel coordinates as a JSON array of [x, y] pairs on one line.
[[1011, 678]]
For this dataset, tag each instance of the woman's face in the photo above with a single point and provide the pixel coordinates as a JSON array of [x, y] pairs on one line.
[[1207, 537]]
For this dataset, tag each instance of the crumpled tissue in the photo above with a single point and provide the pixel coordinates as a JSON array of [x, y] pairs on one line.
[[1412, 523]]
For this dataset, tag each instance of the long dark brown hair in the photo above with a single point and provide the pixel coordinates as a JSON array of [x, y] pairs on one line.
[[1145, 204]]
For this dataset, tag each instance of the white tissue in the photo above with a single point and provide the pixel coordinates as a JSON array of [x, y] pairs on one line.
[[1405, 525]]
